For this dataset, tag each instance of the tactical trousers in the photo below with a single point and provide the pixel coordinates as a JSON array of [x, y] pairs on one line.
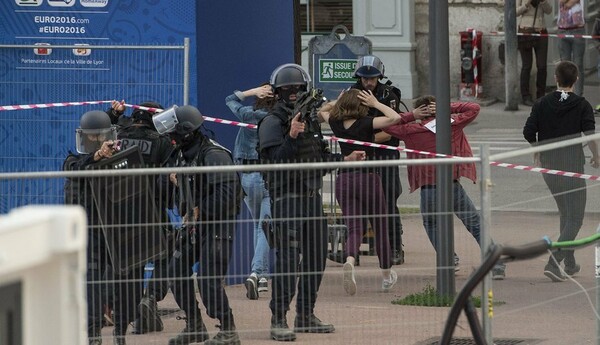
[[300, 228], [390, 177], [213, 252], [121, 292]]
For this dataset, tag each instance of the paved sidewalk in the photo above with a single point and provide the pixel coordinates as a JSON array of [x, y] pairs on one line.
[[535, 308]]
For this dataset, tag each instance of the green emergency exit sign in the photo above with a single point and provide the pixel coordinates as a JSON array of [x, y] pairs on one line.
[[336, 70]]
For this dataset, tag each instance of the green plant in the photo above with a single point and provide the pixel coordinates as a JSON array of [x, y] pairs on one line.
[[409, 210], [430, 298], [427, 298]]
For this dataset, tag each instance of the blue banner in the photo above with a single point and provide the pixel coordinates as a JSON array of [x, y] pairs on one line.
[[39, 139]]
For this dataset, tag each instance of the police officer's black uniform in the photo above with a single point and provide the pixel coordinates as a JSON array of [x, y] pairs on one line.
[[390, 176], [156, 151], [125, 294], [210, 239], [299, 226]]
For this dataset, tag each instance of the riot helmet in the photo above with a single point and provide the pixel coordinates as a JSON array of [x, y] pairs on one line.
[[190, 119], [94, 129], [369, 66], [181, 122], [145, 116], [165, 121], [289, 79]]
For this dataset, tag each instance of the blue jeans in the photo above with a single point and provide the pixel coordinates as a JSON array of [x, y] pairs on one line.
[[463, 208], [573, 49], [259, 204]]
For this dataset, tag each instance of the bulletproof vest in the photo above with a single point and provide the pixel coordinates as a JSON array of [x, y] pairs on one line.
[[155, 148], [211, 153], [311, 148]]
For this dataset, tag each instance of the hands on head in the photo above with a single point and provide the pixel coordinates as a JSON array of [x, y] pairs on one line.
[[263, 91], [425, 110], [367, 98]]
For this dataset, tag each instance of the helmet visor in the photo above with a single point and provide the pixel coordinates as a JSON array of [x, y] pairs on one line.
[[90, 140], [166, 120]]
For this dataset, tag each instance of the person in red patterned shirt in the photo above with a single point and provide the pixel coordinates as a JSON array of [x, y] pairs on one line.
[[421, 136]]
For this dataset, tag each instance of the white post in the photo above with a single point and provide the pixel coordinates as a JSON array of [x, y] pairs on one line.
[[42, 252]]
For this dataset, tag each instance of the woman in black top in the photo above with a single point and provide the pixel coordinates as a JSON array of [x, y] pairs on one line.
[[359, 191]]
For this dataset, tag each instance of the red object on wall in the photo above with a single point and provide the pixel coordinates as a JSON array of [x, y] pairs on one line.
[[471, 64]]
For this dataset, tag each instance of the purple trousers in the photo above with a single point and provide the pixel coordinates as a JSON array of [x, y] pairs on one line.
[[361, 197]]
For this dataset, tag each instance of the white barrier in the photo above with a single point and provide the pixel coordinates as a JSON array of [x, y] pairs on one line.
[[42, 276]]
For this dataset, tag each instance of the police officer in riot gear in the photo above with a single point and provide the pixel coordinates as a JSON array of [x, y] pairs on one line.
[[155, 148], [369, 71], [298, 223], [156, 151], [95, 140], [210, 203]]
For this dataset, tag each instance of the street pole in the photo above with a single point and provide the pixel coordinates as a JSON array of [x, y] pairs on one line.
[[598, 287], [510, 55], [433, 51], [439, 59], [486, 239]]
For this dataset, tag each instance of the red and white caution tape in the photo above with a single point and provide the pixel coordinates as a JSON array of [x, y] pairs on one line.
[[475, 50], [228, 122], [333, 138], [498, 164], [206, 118], [47, 105], [387, 147], [134, 106], [546, 171], [596, 37]]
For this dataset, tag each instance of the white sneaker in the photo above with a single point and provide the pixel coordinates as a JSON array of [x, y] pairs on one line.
[[387, 284], [349, 280], [263, 285], [251, 288]]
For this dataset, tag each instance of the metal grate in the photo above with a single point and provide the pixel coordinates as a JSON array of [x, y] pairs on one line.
[[470, 341]]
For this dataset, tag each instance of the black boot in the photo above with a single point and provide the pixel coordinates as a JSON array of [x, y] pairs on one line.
[[527, 101], [311, 324], [119, 334], [149, 320], [194, 332], [280, 330], [398, 257], [227, 335], [119, 340], [94, 337]]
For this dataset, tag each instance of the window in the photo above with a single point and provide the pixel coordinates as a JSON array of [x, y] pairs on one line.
[[320, 16]]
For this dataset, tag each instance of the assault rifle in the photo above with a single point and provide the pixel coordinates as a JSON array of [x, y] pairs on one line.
[[307, 104]]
